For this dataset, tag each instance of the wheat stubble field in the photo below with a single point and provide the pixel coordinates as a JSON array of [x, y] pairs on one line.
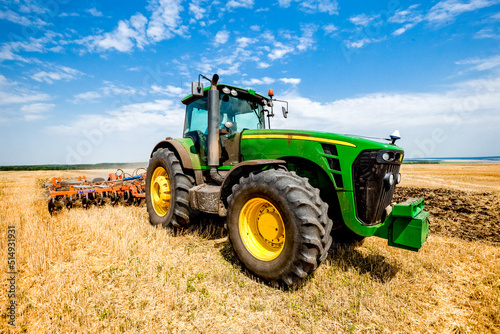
[[108, 270]]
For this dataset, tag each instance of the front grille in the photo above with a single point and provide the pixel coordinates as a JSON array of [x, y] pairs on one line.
[[371, 193]]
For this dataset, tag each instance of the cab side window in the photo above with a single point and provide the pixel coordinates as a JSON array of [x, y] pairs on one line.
[[197, 116]]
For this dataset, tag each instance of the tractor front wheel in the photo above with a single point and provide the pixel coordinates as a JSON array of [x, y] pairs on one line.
[[167, 190], [278, 225]]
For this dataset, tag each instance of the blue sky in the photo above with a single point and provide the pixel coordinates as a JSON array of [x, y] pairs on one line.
[[101, 81]]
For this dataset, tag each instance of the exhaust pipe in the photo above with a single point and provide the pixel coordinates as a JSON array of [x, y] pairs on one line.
[[213, 130]]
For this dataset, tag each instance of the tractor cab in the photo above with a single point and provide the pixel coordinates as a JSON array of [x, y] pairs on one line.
[[239, 110]]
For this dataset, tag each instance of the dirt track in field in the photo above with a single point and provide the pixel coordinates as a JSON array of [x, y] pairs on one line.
[[454, 213]]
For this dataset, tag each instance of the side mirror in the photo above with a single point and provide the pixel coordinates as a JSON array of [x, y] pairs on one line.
[[197, 88], [285, 112]]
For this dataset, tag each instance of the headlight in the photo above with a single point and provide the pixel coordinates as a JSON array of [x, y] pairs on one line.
[[388, 156], [389, 180], [398, 178]]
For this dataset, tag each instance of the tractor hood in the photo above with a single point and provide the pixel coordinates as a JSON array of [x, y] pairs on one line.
[[321, 137], [330, 152]]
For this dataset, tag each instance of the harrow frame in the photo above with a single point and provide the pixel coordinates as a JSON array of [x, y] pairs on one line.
[[117, 189]]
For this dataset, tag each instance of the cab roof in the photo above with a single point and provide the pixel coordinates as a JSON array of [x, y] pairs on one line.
[[247, 94]]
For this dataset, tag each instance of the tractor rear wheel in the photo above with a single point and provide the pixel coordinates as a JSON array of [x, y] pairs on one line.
[[278, 226], [167, 190]]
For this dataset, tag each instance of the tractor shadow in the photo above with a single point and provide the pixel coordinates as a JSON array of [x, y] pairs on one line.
[[346, 258], [207, 226], [228, 254]]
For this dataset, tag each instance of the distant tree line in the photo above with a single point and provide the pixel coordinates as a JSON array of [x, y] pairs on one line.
[[74, 167], [419, 162]]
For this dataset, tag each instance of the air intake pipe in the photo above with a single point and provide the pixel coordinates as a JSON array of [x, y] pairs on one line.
[[213, 130]]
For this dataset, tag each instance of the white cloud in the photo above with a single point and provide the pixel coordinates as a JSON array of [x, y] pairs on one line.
[[12, 93], [165, 20], [313, 6], [306, 41], [445, 11], [284, 3], [48, 42], [69, 14], [263, 65], [21, 97], [94, 12], [6, 53], [147, 116], [280, 51], [239, 4], [230, 70], [36, 108], [329, 29], [403, 29], [108, 90], [255, 82], [488, 33], [362, 42], [291, 81], [36, 111], [464, 105], [245, 41], [125, 36], [168, 90], [363, 19], [255, 28], [411, 14], [482, 64], [267, 35], [87, 97], [410, 17], [197, 11], [164, 23], [221, 37], [112, 89], [58, 73], [14, 17], [32, 6]]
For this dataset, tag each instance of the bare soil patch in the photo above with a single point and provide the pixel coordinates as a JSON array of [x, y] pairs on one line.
[[454, 213]]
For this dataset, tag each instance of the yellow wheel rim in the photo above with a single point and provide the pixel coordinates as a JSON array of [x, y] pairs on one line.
[[262, 229], [160, 191]]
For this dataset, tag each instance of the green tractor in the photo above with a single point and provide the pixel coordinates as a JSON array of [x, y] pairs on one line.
[[287, 195]]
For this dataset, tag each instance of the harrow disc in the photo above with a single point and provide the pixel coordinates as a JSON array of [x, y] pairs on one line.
[[85, 201], [52, 206], [138, 201], [115, 199], [100, 200], [69, 202]]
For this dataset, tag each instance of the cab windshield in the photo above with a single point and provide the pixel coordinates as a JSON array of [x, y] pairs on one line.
[[242, 113]]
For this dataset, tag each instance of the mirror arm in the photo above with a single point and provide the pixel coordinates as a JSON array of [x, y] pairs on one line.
[[283, 102]]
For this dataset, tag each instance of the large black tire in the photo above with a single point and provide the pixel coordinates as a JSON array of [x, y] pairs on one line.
[[176, 214], [305, 223]]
